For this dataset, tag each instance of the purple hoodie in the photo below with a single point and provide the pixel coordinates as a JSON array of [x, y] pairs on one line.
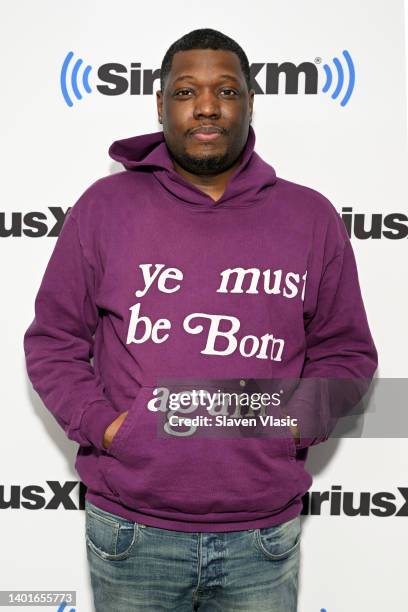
[[156, 281]]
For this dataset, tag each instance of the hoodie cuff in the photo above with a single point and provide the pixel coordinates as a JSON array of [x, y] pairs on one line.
[[96, 418]]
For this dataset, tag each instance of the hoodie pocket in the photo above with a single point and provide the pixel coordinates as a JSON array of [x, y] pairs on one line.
[[117, 440], [113, 453], [194, 475]]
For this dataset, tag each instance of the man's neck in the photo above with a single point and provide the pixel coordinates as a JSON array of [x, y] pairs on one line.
[[213, 185]]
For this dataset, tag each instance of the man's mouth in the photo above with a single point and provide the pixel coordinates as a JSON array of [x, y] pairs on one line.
[[206, 136], [207, 133]]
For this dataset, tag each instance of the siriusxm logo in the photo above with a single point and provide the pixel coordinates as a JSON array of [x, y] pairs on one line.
[[337, 502], [363, 226], [360, 226], [33, 224], [70, 495], [116, 79]]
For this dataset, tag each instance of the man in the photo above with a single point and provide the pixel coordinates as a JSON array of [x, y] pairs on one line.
[[197, 263]]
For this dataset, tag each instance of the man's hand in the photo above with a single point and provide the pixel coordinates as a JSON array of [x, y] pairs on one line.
[[112, 429], [296, 433]]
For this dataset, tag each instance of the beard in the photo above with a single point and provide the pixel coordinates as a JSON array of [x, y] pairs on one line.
[[204, 165]]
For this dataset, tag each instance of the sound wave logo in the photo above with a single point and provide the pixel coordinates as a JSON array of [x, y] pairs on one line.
[[63, 609], [341, 78], [74, 78]]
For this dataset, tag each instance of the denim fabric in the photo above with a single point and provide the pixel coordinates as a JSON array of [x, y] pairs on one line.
[[134, 567]]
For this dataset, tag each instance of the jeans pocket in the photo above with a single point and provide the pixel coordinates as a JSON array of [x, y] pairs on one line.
[[109, 536], [279, 541]]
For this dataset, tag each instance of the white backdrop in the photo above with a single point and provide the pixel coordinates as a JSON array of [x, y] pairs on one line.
[[354, 154]]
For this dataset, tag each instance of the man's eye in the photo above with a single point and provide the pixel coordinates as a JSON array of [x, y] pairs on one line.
[[181, 91], [232, 90]]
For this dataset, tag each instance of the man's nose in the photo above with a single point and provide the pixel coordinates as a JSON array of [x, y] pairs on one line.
[[207, 104]]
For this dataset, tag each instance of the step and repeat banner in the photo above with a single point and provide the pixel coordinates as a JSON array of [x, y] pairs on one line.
[[330, 113]]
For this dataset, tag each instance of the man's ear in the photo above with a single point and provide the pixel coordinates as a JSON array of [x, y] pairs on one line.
[[159, 105]]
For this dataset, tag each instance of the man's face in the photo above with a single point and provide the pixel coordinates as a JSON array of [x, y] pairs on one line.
[[205, 88]]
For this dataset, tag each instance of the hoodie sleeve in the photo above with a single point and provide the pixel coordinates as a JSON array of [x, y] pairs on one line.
[[58, 344], [341, 357]]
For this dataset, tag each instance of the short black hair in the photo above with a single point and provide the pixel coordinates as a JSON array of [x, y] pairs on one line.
[[204, 38]]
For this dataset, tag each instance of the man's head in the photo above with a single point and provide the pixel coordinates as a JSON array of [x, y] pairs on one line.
[[205, 83]]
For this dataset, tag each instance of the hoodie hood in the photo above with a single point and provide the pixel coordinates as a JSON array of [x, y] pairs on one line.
[[149, 153]]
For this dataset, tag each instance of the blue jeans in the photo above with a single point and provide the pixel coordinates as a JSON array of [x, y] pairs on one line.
[[137, 568]]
